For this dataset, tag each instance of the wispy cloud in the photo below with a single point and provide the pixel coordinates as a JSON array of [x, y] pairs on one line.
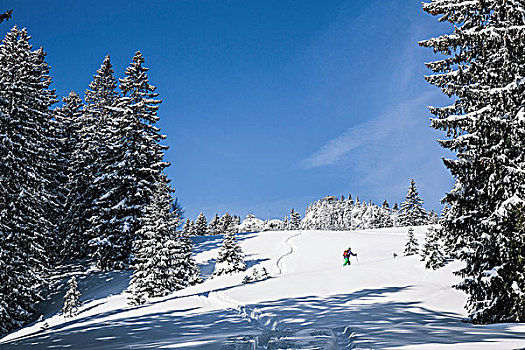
[[392, 123]]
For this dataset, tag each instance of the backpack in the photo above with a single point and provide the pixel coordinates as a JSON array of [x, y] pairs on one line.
[[346, 254]]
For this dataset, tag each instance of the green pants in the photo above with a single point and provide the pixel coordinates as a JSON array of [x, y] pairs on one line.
[[347, 262]]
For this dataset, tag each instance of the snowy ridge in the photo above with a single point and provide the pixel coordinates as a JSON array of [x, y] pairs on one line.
[[311, 302]]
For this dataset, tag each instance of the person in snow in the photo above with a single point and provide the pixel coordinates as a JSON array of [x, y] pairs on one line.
[[346, 255]]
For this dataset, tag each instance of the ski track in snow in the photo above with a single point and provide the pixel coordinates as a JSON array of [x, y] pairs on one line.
[[271, 327], [380, 303], [288, 253], [253, 315]]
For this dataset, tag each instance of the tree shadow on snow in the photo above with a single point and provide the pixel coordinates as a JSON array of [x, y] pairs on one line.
[[206, 243], [152, 331], [207, 268], [254, 262], [93, 284], [382, 324], [375, 324]]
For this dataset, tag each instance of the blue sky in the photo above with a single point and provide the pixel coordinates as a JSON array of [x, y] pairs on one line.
[[267, 105]]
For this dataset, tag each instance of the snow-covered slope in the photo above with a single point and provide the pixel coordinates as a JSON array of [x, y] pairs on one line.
[[311, 302]]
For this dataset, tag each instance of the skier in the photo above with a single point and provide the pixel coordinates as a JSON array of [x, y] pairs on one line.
[[346, 255]]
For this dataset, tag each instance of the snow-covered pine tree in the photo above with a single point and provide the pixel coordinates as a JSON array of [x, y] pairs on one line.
[[231, 257], [386, 215], [226, 224], [295, 220], [265, 225], [432, 252], [443, 214], [178, 210], [411, 245], [67, 131], [340, 214], [385, 218], [412, 212], [161, 265], [432, 217], [214, 225], [378, 219], [265, 275], [92, 154], [394, 214], [71, 299], [27, 176], [286, 223], [18, 290], [201, 225], [236, 222], [130, 177], [347, 213], [5, 16], [483, 68], [255, 275], [188, 228], [188, 268]]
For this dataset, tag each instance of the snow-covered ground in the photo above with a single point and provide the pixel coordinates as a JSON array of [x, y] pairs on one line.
[[311, 302]]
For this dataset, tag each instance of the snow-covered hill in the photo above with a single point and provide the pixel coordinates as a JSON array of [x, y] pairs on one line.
[[311, 302]]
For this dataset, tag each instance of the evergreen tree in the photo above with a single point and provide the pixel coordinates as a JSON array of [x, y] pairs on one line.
[[134, 166], [6, 16], [214, 225], [160, 261], [71, 299], [226, 224], [412, 212], [188, 228], [483, 68], [371, 217], [231, 257], [347, 214], [188, 268], [385, 217], [92, 153], [411, 245], [27, 176], [247, 279], [432, 217], [443, 214], [201, 225], [178, 210], [255, 275], [394, 214], [236, 222], [295, 220], [265, 275], [432, 253], [67, 130], [104, 154]]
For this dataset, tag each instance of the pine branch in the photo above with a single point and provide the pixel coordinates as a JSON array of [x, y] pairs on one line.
[[6, 16]]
